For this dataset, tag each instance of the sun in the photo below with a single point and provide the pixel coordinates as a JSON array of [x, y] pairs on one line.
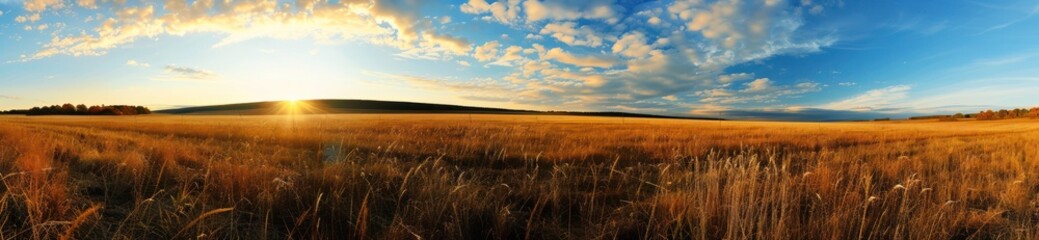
[[292, 100], [291, 106]]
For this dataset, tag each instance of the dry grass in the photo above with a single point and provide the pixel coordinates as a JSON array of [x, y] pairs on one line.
[[514, 177]]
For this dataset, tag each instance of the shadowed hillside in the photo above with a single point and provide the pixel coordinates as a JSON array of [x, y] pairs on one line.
[[328, 106]]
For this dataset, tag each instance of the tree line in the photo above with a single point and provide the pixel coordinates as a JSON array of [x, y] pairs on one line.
[[82, 109], [1008, 114], [984, 115]]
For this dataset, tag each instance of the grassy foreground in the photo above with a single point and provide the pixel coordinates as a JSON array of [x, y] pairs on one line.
[[514, 177]]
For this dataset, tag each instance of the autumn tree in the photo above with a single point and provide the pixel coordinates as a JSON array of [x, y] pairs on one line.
[[986, 115]]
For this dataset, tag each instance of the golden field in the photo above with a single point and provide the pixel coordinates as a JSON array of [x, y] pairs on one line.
[[427, 176]]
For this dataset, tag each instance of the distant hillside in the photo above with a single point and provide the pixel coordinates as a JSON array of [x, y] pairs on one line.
[[370, 106]]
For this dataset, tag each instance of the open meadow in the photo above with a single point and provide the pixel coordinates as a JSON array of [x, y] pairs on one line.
[[440, 176]]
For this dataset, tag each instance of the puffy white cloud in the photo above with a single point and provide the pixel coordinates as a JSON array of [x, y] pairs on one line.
[[513, 54], [744, 30], [632, 45], [570, 34], [87, 3], [455, 45], [758, 85], [562, 56], [394, 23], [656, 60], [654, 20], [513, 11], [487, 51], [735, 77], [681, 53], [570, 10], [501, 11], [532, 67], [40, 5]]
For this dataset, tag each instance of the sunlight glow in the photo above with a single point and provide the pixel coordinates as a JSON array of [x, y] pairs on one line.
[[291, 107]]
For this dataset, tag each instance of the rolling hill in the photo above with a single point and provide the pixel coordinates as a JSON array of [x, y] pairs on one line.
[[330, 106]]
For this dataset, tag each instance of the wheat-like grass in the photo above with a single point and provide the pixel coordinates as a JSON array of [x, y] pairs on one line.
[[510, 177]]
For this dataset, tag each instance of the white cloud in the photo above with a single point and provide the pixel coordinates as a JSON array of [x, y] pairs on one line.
[[87, 3], [487, 51], [563, 10], [173, 72], [758, 85], [653, 20], [562, 56], [743, 30], [513, 54], [135, 63], [455, 45], [501, 11], [616, 62], [632, 45], [570, 34], [729, 78], [40, 5], [872, 99], [385, 22], [846, 84]]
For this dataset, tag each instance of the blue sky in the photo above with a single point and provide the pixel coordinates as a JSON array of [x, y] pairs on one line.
[[753, 59]]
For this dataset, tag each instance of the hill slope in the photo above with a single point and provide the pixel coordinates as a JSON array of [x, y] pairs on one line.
[[370, 106]]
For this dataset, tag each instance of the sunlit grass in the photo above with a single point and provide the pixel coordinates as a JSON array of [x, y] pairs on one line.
[[439, 176]]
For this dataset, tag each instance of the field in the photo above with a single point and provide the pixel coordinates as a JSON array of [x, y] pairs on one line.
[[396, 176]]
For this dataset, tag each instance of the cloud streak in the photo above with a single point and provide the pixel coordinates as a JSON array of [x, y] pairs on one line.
[[872, 100], [173, 72]]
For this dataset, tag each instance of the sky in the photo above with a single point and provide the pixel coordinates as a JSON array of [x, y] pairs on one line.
[[739, 59]]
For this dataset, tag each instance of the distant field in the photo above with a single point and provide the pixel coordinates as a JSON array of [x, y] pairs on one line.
[[460, 176]]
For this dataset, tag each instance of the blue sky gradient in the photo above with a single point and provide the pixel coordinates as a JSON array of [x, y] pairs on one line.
[[744, 59]]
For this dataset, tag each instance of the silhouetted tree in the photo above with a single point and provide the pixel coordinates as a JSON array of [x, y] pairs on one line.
[[81, 109]]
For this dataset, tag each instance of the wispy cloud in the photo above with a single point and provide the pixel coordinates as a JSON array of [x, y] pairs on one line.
[[1030, 14], [173, 72], [872, 100], [135, 63], [799, 114]]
